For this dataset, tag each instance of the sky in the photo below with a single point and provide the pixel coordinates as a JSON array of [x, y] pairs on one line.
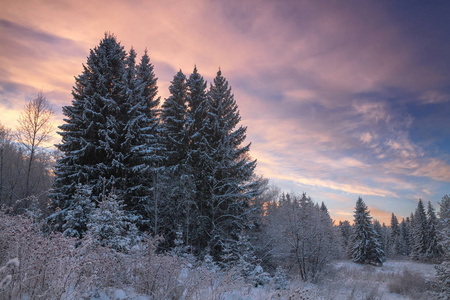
[[342, 99]]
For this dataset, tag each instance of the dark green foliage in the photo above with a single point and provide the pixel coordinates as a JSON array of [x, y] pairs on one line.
[[110, 141], [366, 248]]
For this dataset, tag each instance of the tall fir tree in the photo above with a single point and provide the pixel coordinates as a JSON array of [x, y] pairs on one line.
[[346, 233], [443, 270], [142, 147], [148, 149], [195, 118], [434, 249], [380, 233], [90, 136], [229, 170], [366, 248], [173, 116], [109, 139], [222, 171], [180, 182], [395, 235], [444, 226], [420, 233], [405, 237]]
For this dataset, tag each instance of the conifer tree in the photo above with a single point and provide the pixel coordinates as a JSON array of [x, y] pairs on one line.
[[195, 117], [434, 249], [90, 136], [110, 226], [380, 233], [110, 139], [395, 235], [77, 218], [420, 233], [179, 183], [366, 248], [346, 234], [142, 147], [173, 115], [443, 271], [405, 238], [444, 226], [228, 168]]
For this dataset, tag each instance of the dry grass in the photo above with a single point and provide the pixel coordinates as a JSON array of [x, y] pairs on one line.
[[53, 268], [411, 284]]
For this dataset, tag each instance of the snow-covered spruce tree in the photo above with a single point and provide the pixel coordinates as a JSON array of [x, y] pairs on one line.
[[381, 231], [405, 238], [228, 171], [420, 233], [434, 249], [195, 117], [108, 141], [444, 226], [443, 270], [79, 212], [91, 134], [345, 232], [111, 226], [395, 235], [173, 115], [142, 148], [179, 183], [366, 249]]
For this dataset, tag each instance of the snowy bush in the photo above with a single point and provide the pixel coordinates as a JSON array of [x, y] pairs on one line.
[[280, 279], [111, 226], [78, 214]]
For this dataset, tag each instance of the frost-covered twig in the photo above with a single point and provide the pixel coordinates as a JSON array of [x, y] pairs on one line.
[[8, 278]]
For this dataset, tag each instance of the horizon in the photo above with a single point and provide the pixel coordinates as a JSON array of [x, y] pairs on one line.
[[340, 100]]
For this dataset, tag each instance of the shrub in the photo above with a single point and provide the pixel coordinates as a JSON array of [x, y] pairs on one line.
[[410, 284]]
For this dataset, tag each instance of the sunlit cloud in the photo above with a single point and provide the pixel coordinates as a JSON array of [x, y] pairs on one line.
[[431, 97]]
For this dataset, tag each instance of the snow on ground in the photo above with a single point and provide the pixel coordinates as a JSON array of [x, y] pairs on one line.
[[344, 280]]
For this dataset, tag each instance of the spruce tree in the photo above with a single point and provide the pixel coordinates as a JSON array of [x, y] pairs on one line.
[[77, 218], [380, 233], [90, 135], [443, 270], [366, 248], [434, 249], [179, 180], [420, 233], [111, 226], [110, 137], [142, 147], [222, 172], [395, 235], [195, 118], [173, 116], [444, 226], [229, 184], [405, 238], [346, 233]]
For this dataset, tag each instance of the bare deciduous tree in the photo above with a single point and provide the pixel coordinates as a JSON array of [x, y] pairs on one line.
[[34, 130], [5, 141]]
